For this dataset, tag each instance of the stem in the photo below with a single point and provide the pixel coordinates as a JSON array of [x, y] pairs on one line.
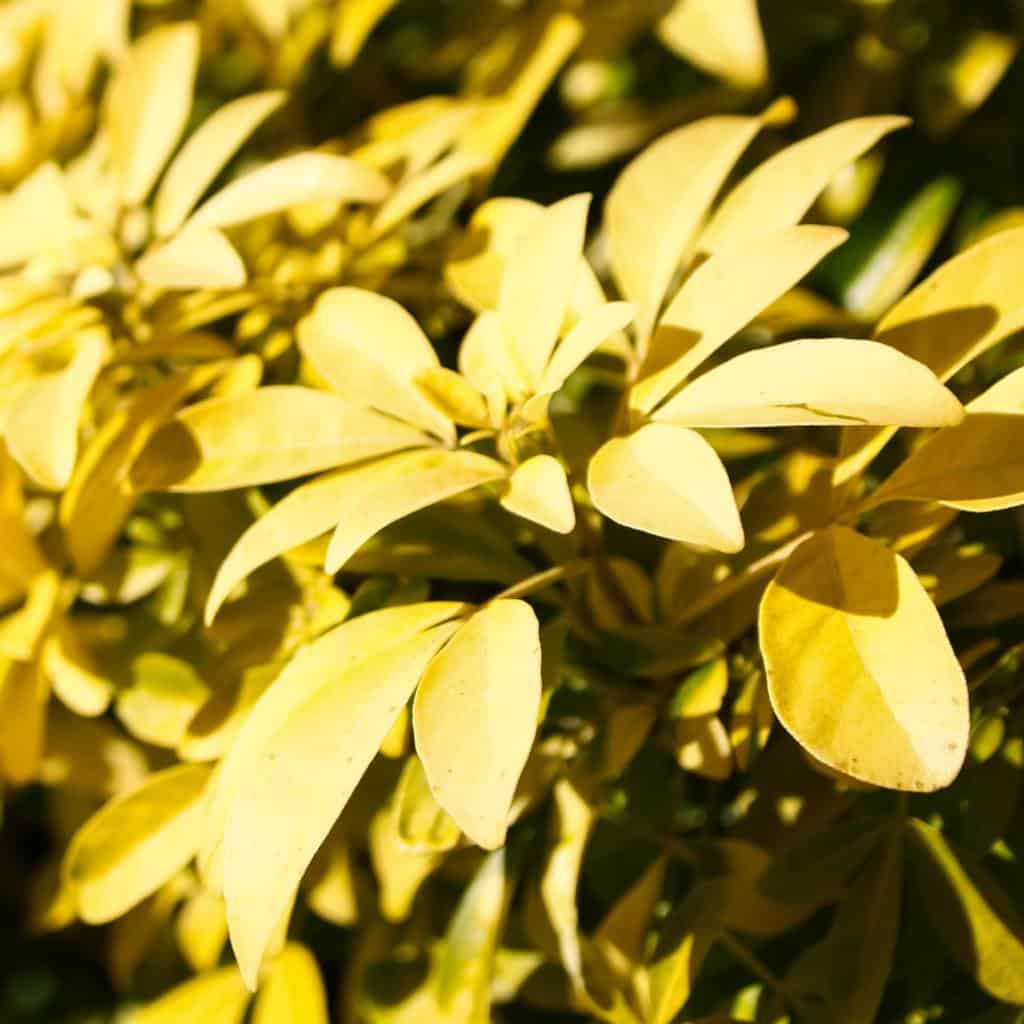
[[732, 585], [755, 964], [544, 579]]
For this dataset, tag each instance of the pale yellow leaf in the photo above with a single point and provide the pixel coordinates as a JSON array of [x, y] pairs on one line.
[[261, 436], [36, 218], [202, 929], [292, 992], [815, 380], [721, 297], [475, 717], [653, 214], [538, 490], [859, 667], [485, 359], [136, 842], [164, 696], [780, 191], [722, 37], [73, 676], [539, 280], [454, 396], [278, 811], [667, 481], [308, 177], [591, 331], [147, 106], [195, 258], [354, 21], [218, 996], [205, 155], [370, 350]]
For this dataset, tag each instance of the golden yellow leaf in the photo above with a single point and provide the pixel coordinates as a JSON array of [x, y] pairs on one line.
[[136, 842], [538, 284], [73, 676], [815, 380], [36, 218], [218, 996], [720, 36], [205, 155], [859, 667], [667, 481], [454, 396], [23, 698], [354, 21], [292, 992], [148, 104], [370, 350], [701, 746], [261, 436], [309, 177], [195, 258], [334, 732], [202, 929], [475, 716], [652, 219], [721, 297], [422, 824], [538, 490], [781, 190], [164, 696]]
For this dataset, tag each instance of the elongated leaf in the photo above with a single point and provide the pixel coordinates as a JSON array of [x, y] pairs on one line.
[[667, 481], [978, 926], [134, 844], [218, 996], [355, 21], [819, 380], [721, 297], [42, 424], [292, 991], [258, 437], [721, 36], [859, 667], [587, 335], [148, 105], [540, 276], [781, 190], [475, 716], [333, 734], [370, 350], [539, 491], [651, 219], [976, 465], [277, 186], [197, 258], [205, 154]]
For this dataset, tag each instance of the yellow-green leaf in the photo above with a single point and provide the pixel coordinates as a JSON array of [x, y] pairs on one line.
[[475, 717], [148, 104], [815, 380], [538, 490], [303, 178], [259, 437], [293, 991], [859, 667], [667, 481], [781, 190], [135, 843], [218, 996], [205, 154], [196, 258], [370, 351]]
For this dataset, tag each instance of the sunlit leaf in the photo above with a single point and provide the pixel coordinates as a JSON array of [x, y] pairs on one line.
[[292, 990], [539, 491], [196, 258]]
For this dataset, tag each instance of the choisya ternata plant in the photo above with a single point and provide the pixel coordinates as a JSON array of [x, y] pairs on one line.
[[275, 552]]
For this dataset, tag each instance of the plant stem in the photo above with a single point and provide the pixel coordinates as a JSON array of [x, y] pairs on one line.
[[756, 965], [544, 579]]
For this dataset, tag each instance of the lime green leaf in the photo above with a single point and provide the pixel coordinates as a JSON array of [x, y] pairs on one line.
[[303, 178], [540, 277], [292, 990], [667, 481], [721, 297], [976, 465], [475, 717], [42, 423], [651, 219], [278, 811], [218, 996], [370, 351], [205, 154], [258, 437], [859, 667], [721, 36], [539, 491], [135, 843], [815, 380], [196, 258], [781, 190], [975, 919], [148, 104]]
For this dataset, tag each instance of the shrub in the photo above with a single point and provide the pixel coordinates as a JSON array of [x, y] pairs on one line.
[[440, 596]]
